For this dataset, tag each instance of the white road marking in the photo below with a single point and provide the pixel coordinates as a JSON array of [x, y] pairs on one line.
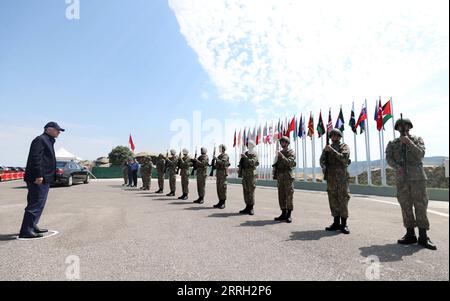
[[398, 205]]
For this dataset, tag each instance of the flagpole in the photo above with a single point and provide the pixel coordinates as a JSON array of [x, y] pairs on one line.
[[393, 121], [369, 170], [382, 159], [313, 152], [356, 159]]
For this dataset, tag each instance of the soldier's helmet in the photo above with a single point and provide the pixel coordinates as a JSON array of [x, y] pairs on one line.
[[403, 121], [285, 139], [203, 150], [185, 151], [223, 147], [251, 144], [161, 156], [336, 132], [173, 152]]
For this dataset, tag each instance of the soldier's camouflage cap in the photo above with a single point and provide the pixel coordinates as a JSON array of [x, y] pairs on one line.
[[285, 139], [335, 132], [404, 121]]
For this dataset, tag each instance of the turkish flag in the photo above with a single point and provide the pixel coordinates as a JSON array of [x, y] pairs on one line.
[[131, 144]]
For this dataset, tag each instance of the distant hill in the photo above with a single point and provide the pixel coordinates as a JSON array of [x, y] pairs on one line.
[[356, 169]]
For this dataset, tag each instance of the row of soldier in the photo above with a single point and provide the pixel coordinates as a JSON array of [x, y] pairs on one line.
[[404, 154]]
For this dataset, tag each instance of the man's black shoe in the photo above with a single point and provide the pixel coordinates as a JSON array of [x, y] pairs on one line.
[[39, 230], [30, 235]]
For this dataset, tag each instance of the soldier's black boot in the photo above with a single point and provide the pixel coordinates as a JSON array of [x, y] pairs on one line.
[[409, 238], [288, 216], [172, 193], [245, 210], [344, 228], [185, 197], [425, 241], [222, 205], [199, 200], [218, 204], [335, 225], [282, 217], [250, 210], [182, 196]]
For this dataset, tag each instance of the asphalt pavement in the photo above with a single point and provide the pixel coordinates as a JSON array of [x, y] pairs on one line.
[[109, 232]]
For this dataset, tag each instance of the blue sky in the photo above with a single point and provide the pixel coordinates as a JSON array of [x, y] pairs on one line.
[[137, 66]]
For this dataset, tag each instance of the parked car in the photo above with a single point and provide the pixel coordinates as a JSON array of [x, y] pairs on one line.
[[68, 173]]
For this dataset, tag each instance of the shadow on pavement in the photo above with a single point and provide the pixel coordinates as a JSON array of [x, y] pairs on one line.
[[224, 214], [313, 234], [259, 223], [166, 199], [180, 203], [8, 237], [198, 208], [390, 252], [20, 187]]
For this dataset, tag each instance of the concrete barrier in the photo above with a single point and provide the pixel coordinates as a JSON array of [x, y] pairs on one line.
[[389, 191]]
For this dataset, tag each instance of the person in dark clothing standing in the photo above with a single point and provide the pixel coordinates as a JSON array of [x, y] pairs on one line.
[[134, 168], [40, 173]]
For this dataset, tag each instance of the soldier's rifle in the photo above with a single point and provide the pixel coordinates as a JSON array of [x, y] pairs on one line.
[[194, 163], [327, 159], [179, 164], [213, 163], [404, 151]]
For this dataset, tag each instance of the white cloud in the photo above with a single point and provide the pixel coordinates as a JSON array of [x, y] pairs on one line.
[[284, 56]]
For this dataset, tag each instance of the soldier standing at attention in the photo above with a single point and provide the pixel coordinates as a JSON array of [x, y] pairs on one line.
[[405, 155], [125, 172], [185, 164], [160, 168], [335, 159], [202, 163], [146, 172], [247, 165], [284, 174], [171, 164], [222, 164]]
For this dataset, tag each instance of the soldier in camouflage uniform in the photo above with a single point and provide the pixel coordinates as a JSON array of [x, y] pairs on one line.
[[247, 165], [334, 161], [202, 163], [125, 172], [160, 169], [405, 155], [146, 171], [171, 164], [185, 163], [222, 164], [284, 174]]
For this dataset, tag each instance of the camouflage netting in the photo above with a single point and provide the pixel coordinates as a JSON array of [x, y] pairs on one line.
[[435, 174]]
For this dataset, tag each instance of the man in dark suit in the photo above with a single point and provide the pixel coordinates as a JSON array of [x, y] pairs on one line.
[[40, 173]]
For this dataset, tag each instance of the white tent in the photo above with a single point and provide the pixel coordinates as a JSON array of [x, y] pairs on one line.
[[64, 155]]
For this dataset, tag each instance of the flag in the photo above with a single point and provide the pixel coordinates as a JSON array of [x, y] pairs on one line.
[[362, 117], [311, 126], [130, 141], [291, 127], [234, 140], [340, 121], [239, 138], [379, 116], [320, 127], [352, 122], [303, 128], [300, 133], [296, 130], [258, 136], [387, 111], [330, 123]]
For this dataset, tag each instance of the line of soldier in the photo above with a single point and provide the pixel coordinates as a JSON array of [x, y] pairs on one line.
[[404, 154]]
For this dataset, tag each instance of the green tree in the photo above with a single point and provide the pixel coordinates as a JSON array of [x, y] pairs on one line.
[[119, 154]]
